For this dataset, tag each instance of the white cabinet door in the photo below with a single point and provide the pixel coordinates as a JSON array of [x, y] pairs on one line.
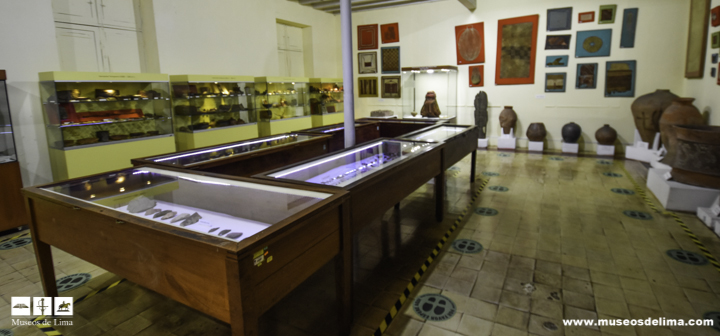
[[117, 13], [294, 38], [79, 48], [283, 64], [75, 11], [121, 51], [281, 39], [297, 65]]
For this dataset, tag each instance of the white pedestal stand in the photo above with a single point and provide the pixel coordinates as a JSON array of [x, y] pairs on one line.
[[536, 146], [711, 216], [640, 150], [483, 143], [678, 196], [604, 150], [570, 148], [507, 141]]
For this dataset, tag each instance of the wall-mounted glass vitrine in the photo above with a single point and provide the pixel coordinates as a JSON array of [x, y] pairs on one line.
[[99, 121], [8, 153], [210, 110], [283, 104], [12, 206], [326, 101], [430, 92]]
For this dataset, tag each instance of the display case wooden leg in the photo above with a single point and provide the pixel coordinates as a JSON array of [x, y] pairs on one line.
[[43, 255], [344, 274], [397, 206], [440, 196], [243, 320], [473, 159]]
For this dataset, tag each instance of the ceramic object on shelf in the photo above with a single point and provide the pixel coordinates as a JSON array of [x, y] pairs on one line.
[[430, 108], [697, 155], [606, 135], [647, 110], [508, 118], [571, 132], [536, 132], [680, 112]]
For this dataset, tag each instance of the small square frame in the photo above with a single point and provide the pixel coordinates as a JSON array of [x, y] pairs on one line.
[[559, 19], [557, 75], [606, 14]]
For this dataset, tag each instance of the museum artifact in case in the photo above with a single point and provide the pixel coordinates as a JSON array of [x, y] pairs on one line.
[[248, 157], [99, 121], [418, 82], [12, 207], [459, 140], [227, 247], [283, 104], [211, 110], [364, 132], [326, 101]]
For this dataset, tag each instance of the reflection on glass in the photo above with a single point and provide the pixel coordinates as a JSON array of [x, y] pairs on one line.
[[353, 165], [438, 134], [203, 204], [7, 143], [201, 106]]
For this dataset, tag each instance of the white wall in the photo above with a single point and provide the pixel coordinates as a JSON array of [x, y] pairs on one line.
[[427, 38], [705, 90]]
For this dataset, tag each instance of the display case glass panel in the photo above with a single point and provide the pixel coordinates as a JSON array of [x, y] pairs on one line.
[[417, 82], [436, 134], [205, 155], [230, 209], [8, 152], [282, 97], [354, 164], [208, 102], [326, 95], [91, 109]]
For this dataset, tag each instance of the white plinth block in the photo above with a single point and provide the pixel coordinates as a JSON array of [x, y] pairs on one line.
[[678, 196], [536, 146], [707, 217], [604, 150], [507, 143], [570, 148], [482, 143]]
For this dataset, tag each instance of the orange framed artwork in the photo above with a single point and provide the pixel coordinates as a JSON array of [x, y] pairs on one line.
[[367, 37], [390, 33], [477, 75], [470, 43], [516, 49]]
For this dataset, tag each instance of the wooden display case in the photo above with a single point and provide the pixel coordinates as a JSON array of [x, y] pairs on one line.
[[232, 279], [459, 140], [393, 128], [12, 211], [364, 132]]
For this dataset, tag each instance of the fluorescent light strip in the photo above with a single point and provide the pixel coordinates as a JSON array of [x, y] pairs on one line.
[[327, 160], [222, 148]]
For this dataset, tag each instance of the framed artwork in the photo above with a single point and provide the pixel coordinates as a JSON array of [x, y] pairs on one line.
[[718, 77], [627, 37], [555, 82], [556, 61], [620, 79], [470, 43], [607, 14], [557, 42], [714, 58], [367, 87], [477, 75], [390, 87], [713, 72], [715, 16], [593, 43], [586, 17], [367, 37], [586, 76], [516, 43], [390, 60], [367, 62], [697, 37], [390, 33], [559, 19], [715, 40]]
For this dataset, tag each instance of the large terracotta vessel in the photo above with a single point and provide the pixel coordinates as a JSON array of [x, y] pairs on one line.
[[697, 155], [606, 135], [648, 109], [508, 118], [680, 112], [536, 132], [571, 132]]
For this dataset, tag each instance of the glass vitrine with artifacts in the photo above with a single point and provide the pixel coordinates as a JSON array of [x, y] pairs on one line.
[[326, 101], [283, 104], [430, 92], [12, 207]]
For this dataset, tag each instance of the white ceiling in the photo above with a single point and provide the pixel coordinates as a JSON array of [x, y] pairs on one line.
[[333, 6]]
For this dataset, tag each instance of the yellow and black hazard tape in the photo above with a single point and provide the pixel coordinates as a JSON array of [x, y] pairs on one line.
[[418, 275], [15, 237], [49, 330], [677, 219]]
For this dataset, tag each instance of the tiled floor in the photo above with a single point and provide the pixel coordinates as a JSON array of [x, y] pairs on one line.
[[559, 247]]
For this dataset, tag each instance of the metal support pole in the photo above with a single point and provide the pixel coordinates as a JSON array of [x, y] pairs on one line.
[[348, 80]]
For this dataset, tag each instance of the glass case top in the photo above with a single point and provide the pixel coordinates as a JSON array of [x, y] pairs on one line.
[[437, 134], [329, 128], [233, 210], [354, 164], [7, 142], [205, 155]]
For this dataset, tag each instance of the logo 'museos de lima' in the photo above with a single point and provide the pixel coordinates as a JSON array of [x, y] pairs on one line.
[[29, 306]]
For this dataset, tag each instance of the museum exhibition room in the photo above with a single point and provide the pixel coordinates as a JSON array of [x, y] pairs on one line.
[[359, 167]]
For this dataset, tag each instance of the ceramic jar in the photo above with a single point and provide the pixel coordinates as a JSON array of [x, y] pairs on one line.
[[508, 118], [571, 132], [536, 132], [606, 135], [680, 112], [648, 109]]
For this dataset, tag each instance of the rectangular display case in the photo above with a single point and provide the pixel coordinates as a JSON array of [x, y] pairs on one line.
[[417, 82], [283, 104], [459, 140], [248, 157], [99, 121], [378, 175], [393, 128], [326, 101], [211, 110], [12, 209], [364, 132], [239, 248]]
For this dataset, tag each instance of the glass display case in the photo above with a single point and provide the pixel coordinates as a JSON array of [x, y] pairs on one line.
[[364, 131], [8, 153], [210, 110], [12, 206], [393, 128], [99, 121], [283, 104], [439, 133], [326, 101], [430, 92]]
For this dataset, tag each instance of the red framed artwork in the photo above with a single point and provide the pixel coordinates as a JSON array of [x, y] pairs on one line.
[[390, 33], [470, 44], [367, 37], [715, 16], [586, 17], [477, 75], [516, 48]]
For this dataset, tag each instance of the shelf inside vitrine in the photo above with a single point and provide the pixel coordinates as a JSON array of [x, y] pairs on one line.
[[213, 112], [119, 121], [215, 96], [105, 100]]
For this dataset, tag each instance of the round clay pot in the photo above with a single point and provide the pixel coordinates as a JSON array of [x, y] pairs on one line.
[[536, 132], [571, 132], [680, 112], [508, 118], [606, 135], [648, 109]]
